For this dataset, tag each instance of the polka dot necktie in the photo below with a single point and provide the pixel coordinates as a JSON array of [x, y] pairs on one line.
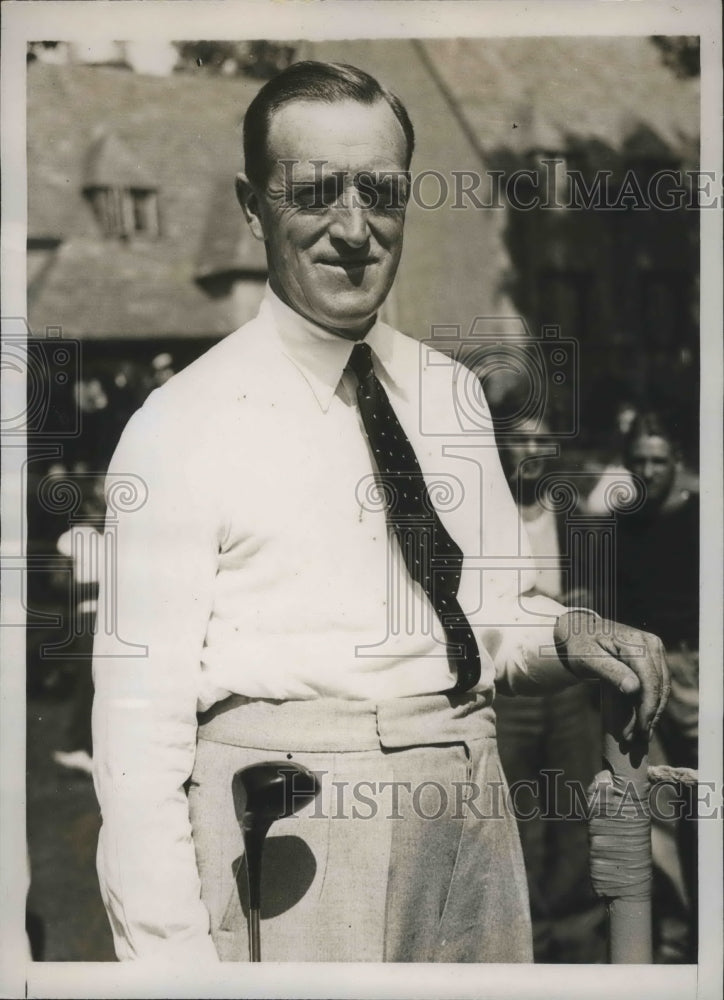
[[432, 557]]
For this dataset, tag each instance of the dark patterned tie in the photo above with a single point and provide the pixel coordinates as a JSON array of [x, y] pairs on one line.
[[432, 558]]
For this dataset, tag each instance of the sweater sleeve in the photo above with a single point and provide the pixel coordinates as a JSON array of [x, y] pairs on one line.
[[516, 628], [160, 554]]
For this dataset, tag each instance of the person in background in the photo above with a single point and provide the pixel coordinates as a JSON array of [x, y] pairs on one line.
[[80, 544], [162, 369], [615, 482], [657, 569], [92, 398], [128, 389], [657, 588], [547, 742], [601, 499]]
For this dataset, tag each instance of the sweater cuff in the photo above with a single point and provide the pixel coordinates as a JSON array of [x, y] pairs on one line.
[[177, 952]]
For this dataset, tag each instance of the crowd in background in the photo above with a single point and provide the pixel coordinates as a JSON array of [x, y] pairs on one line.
[[65, 509], [638, 533]]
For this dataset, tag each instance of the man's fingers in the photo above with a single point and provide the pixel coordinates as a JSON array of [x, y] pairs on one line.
[[616, 668], [663, 670], [626, 658], [644, 657], [616, 671]]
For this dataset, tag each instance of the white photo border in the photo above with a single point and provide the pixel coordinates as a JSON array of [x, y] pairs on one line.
[[340, 19]]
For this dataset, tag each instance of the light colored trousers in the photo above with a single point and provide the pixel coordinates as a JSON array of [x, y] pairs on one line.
[[409, 854]]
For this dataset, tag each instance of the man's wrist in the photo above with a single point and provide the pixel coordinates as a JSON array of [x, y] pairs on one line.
[[573, 622], [566, 626], [585, 611]]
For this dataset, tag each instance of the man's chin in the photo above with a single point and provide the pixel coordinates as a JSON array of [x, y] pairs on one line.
[[352, 322], [349, 329]]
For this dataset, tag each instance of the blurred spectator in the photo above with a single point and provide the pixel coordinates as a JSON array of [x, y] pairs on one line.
[[600, 498], [104, 398], [657, 578], [657, 589], [95, 442], [162, 368], [81, 544], [47, 581], [90, 395], [45, 521], [603, 497], [128, 389], [553, 741]]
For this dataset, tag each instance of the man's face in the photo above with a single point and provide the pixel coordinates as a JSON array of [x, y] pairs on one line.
[[332, 222], [526, 458], [654, 461], [526, 454]]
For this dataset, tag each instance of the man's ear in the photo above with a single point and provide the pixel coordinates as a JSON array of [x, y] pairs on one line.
[[249, 201]]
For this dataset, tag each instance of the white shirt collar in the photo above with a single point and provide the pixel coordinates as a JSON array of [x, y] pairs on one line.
[[320, 356]]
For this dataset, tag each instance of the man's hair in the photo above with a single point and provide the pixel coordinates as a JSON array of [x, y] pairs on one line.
[[516, 407], [312, 81], [649, 424]]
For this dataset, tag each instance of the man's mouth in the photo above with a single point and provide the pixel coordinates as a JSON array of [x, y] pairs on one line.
[[349, 263]]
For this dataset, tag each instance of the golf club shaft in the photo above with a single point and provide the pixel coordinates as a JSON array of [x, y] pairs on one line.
[[254, 935], [254, 847]]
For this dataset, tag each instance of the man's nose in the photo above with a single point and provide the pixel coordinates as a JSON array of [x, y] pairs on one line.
[[349, 221]]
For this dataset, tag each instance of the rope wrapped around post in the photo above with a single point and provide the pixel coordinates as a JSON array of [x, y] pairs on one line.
[[620, 834]]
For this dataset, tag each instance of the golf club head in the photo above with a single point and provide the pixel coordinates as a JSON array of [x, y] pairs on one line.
[[266, 792]]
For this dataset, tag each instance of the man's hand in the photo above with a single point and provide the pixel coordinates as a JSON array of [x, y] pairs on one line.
[[631, 660]]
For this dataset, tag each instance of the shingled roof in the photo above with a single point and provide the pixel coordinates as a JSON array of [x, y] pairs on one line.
[[562, 90], [227, 248], [111, 164]]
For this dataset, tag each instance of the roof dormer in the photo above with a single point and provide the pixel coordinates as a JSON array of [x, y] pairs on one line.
[[123, 196]]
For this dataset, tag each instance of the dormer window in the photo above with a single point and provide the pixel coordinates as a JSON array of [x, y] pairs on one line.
[[124, 212], [123, 196]]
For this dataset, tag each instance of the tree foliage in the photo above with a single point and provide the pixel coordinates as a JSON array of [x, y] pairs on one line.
[[680, 53], [259, 59], [36, 48]]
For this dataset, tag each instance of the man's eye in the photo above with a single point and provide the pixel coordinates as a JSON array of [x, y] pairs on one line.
[[315, 197], [308, 198], [385, 194]]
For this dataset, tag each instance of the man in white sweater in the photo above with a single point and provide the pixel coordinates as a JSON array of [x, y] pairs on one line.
[[266, 582]]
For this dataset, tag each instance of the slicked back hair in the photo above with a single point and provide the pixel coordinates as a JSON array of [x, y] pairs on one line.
[[325, 82]]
